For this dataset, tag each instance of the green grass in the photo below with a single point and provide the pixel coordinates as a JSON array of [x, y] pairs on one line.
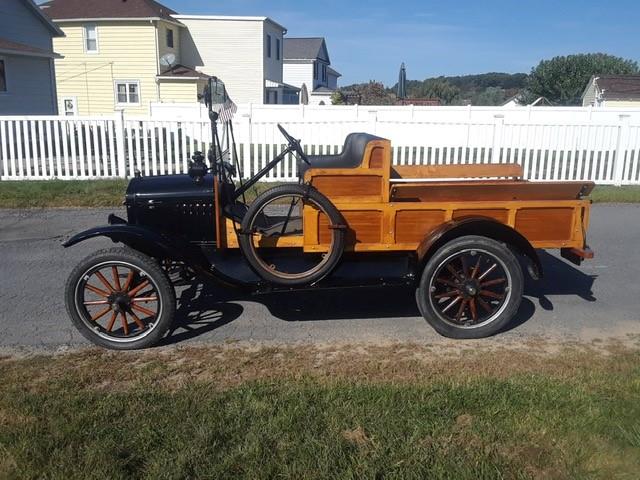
[[110, 193], [231, 413], [611, 194]]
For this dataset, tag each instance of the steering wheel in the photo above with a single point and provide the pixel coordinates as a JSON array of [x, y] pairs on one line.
[[295, 144]]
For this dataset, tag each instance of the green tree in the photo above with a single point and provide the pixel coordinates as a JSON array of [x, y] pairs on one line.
[[440, 89], [563, 79], [490, 96], [337, 98]]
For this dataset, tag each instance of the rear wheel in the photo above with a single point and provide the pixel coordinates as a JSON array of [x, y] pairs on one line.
[[471, 288], [120, 299], [272, 230]]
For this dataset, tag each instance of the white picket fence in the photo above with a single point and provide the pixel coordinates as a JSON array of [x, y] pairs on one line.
[[572, 144]]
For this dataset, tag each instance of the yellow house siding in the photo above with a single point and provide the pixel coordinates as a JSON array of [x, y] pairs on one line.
[[178, 91], [126, 51], [163, 49], [623, 103]]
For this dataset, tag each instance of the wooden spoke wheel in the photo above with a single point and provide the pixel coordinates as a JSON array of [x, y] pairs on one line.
[[471, 288], [120, 299], [271, 227]]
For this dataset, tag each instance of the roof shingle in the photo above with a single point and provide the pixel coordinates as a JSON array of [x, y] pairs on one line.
[[619, 87], [302, 48], [94, 9]]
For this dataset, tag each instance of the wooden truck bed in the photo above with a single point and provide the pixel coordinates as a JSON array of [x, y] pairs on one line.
[[393, 208]]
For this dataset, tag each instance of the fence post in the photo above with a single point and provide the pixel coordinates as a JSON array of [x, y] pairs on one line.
[[496, 145], [373, 122], [120, 150], [621, 149]]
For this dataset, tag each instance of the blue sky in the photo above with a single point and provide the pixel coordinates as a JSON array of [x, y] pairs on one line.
[[368, 40]]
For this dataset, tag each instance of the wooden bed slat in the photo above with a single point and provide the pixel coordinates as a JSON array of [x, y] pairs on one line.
[[487, 170]]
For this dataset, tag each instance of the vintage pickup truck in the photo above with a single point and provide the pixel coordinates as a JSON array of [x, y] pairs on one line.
[[462, 233]]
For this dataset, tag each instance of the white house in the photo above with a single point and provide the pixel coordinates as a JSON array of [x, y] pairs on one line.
[[246, 53], [27, 71], [307, 62], [612, 91]]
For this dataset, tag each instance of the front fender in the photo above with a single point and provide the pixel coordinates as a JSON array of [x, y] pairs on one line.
[[483, 226], [147, 241]]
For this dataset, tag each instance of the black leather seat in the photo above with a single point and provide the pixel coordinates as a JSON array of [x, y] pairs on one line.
[[351, 156]]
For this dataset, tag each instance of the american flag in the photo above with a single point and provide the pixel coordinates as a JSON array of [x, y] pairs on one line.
[[225, 110]]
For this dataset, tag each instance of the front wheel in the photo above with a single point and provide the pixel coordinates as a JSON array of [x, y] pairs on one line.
[[120, 299], [470, 288]]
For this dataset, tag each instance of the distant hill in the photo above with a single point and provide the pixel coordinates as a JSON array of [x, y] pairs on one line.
[[489, 89], [484, 89]]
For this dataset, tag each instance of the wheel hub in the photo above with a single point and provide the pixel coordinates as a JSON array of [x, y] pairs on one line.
[[470, 288], [119, 301]]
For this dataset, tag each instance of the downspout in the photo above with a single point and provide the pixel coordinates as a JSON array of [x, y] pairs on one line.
[[54, 90], [156, 25]]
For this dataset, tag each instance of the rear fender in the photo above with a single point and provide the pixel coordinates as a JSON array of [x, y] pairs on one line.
[[482, 226], [146, 241]]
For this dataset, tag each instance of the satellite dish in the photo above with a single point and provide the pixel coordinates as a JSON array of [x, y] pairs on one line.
[[168, 59]]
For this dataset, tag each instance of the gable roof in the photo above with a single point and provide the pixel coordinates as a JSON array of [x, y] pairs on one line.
[[106, 9], [55, 30], [305, 49], [617, 87], [9, 47], [180, 72]]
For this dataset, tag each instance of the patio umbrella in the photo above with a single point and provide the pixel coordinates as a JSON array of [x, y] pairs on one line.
[[304, 95], [402, 83]]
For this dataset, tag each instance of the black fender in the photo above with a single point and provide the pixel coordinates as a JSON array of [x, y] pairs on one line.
[[147, 241], [485, 227]]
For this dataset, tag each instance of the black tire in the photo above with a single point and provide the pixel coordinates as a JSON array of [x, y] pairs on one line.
[[487, 304], [330, 259], [133, 274]]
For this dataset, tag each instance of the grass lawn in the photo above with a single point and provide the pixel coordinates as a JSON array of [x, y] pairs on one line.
[[301, 412], [110, 193]]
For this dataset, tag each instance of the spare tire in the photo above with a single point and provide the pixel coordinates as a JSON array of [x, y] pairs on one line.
[[278, 213]]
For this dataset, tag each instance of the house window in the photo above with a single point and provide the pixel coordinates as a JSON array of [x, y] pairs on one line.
[[3, 77], [277, 49], [128, 93], [169, 38], [91, 38], [324, 72], [315, 70], [275, 97], [269, 46]]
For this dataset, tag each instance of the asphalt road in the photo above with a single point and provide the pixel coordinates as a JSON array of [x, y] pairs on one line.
[[599, 300]]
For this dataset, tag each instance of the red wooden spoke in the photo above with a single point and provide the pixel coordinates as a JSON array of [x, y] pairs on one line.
[[476, 268], [493, 267], [448, 294], [146, 311], [144, 299], [148, 293], [96, 290], [101, 314], [461, 310], [456, 300], [473, 308], [104, 281], [447, 282], [139, 322], [125, 324], [487, 293], [116, 277], [454, 273], [463, 260], [97, 302], [484, 305], [497, 281], [133, 292], [127, 283], [112, 320]]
